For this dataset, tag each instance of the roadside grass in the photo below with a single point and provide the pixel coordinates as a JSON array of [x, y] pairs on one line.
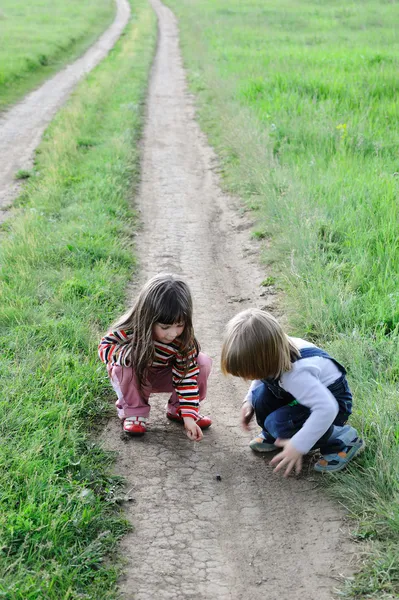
[[301, 102], [40, 36], [66, 255]]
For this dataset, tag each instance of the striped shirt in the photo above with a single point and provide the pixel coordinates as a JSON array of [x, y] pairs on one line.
[[115, 349]]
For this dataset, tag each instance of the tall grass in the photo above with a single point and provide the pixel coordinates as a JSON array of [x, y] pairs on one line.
[[40, 36], [301, 102], [65, 258]]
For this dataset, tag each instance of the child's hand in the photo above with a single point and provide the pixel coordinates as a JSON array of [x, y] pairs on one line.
[[247, 412], [193, 432], [290, 457]]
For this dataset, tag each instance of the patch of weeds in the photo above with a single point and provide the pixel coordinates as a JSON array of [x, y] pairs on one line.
[[330, 241], [71, 180], [260, 234], [73, 288], [23, 174], [85, 143], [390, 325], [44, 60], [5, 226], [268, 281]]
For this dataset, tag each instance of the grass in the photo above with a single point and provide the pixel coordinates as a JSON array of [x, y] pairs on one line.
[[40, 36], [22, 174], [301, 102], [65, 258]]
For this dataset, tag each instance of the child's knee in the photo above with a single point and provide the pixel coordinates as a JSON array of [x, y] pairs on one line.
[[286, 421], [205, 363], [272, 425]]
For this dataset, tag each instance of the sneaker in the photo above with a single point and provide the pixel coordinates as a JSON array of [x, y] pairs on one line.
[[203, 422], [259, 444], [135, 425], [330, 463]]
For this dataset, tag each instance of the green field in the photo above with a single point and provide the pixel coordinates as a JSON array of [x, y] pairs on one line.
[[301, 101], [63, 275], [38, 37]]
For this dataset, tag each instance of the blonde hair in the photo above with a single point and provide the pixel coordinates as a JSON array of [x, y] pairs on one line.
[[256, 347], [166, 299]]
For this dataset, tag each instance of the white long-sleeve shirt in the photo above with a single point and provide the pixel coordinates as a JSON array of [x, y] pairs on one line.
[[307, 382]]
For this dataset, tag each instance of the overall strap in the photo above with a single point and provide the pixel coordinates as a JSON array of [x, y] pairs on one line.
[[273, 385], [314, 351]]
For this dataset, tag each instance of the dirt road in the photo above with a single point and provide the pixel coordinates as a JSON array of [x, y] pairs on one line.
[[252, 535], [22, 127]]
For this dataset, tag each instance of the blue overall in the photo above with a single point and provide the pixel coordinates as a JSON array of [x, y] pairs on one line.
[[281, 416]]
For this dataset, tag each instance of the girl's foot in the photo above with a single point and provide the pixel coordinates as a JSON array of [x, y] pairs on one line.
[[330, 463], [135, 425], [203, 422], [259, 444]]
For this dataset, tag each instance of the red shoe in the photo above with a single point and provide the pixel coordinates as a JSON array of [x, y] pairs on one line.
[[135, 425], [203, 422]]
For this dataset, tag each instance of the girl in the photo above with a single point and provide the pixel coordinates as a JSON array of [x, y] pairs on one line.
[[299, 395], [153, 349]]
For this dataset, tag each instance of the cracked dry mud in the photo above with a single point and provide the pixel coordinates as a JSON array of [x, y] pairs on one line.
[[248, 534]]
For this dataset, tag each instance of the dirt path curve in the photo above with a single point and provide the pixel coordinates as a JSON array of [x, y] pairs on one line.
[[22, 127], [252, 535]]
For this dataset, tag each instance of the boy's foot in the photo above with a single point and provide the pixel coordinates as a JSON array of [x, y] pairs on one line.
[[203, 422], [330, 463], [135, 425], [259, 444]]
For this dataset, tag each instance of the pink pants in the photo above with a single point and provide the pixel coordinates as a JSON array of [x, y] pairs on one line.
[[133, 400]]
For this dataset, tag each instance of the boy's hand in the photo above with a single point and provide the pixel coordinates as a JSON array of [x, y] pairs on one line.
[[247, 412], [193, 432], [290, 457]]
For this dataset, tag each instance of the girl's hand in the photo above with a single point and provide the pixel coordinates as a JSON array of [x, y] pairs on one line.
[[247, 412], [193, 432], [290, 457]]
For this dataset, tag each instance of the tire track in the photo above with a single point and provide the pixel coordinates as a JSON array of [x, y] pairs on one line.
[[22, 127]]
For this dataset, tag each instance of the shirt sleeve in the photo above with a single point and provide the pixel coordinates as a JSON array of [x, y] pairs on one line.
[[308, 390], [254, 385], [114, 348], [186, 385]]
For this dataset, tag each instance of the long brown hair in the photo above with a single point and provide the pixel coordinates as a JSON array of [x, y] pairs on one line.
[[165, 298], [256, 347]]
